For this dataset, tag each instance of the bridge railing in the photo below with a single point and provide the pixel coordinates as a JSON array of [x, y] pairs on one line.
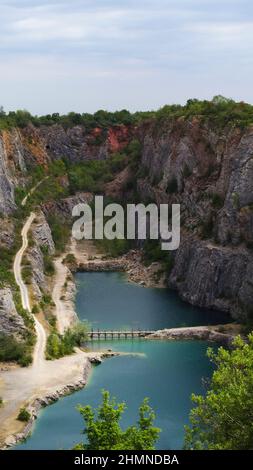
[[118, 334]]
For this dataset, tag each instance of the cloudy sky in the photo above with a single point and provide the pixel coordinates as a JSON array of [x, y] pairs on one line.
[[84, 55]]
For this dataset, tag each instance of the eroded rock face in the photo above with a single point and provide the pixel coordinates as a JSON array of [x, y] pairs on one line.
[[76, 143], [213, 277], [10, 321], [42, 234], [12, 168], [43, 244], [7, 203], [210, 174], [64, 208], [24, 148]]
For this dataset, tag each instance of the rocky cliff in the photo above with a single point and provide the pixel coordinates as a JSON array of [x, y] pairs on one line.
[[210, 173], [42, 244], [21, 149], [208, 170], [10, 321]]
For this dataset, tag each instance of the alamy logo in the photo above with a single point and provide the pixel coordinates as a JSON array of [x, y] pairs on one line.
[[135, 222]]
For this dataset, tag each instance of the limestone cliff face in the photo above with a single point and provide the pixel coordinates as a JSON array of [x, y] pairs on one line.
[[210, 174], [63, 208], [208, 171], [42, 243], [24, 148], [10, 321], [12, 166]]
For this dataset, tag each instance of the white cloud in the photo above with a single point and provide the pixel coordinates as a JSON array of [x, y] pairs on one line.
[[152, 51], [228, 32]]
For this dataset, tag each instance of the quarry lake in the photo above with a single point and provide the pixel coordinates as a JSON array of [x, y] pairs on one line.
[[166, 372]]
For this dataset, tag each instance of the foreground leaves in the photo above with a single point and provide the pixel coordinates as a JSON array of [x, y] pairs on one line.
[[223, 419], [103, 431]]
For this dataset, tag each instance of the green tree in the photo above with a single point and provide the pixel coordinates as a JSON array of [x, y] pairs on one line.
[[223, 419], [104, 432]]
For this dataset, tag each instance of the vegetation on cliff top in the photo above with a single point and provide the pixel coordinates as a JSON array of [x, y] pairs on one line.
[[220, 111], [103, 431]]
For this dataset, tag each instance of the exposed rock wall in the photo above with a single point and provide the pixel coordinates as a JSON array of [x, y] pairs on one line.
[[22, 148], [42, 243], [64, 207], [214, 277], [208, 171], [10, 321], [210, 174]]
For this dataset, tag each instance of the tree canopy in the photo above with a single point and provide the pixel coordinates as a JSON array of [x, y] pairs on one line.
[[220, 111], [223, 419], [103, 431]]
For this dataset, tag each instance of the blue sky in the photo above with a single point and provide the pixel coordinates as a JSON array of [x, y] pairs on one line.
[[84, 55]]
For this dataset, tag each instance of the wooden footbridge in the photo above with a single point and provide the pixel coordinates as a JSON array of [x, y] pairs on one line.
[[118, 334]]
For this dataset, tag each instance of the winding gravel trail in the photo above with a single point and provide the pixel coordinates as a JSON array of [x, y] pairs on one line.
[[39, 350]]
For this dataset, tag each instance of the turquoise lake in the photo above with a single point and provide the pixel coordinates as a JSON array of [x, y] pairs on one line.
[[166, 372]]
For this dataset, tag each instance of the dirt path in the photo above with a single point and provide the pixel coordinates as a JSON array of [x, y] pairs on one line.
[[64, 310], [39, 350], [23, 203], [20, 386]]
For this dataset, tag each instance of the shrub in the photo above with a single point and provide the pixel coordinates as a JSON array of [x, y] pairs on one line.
[[114, 248], [60, 232], [63, 345], [10, 348], [46, 299], [24, 415], [207, 228], [27, 274], [35, 309], [236, 200], [49, 268], [70, 259], [172, 186], [152, 252], [187, 172], [217, 200]]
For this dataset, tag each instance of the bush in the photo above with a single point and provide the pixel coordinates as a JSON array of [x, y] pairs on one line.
[[35, 309], [152, 252], [70, 259], [49, 268], [207, 228], [113, 248], [11, 349], [24, 415], [187, 172], [217, 201], [27, 274], [64, 345], [172, 186], [60, 232]]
